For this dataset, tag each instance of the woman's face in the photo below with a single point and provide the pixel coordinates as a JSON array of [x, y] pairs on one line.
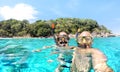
[[62, 41]]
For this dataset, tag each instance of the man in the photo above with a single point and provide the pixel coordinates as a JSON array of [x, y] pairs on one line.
[[85, 57]]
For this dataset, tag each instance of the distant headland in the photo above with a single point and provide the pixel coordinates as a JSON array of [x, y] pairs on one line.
[[42, 28]]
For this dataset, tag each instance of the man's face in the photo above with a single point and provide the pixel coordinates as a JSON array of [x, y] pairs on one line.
[[85, 40]]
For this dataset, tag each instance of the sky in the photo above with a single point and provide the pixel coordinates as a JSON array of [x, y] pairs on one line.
[[105, 12]]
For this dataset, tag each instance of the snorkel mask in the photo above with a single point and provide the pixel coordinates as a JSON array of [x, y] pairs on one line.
[[62, 40], [84, 40]]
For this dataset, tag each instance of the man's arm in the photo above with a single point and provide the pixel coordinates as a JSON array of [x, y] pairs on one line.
[[99, 61]]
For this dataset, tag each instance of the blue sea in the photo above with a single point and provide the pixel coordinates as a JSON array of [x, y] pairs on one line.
[[16, 54]]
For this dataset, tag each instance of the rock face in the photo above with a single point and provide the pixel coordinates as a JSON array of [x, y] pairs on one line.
[[81, 62]]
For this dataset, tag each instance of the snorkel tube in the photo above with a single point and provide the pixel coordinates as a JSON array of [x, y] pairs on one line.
[[53, 31], [53, 27]]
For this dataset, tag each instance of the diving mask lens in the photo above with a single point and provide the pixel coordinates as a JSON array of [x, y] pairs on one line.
[[83, 39], [63, 42]]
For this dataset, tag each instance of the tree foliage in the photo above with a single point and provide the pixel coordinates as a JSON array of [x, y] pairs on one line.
[[42, 28]]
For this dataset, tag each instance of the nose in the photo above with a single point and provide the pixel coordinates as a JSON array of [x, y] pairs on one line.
[[84, 40], [64, 45]]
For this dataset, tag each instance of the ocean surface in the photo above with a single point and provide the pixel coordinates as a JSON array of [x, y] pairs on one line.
[[17, 55]]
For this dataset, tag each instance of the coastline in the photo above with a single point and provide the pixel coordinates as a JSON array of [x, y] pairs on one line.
[[24, 37], [70, 35]]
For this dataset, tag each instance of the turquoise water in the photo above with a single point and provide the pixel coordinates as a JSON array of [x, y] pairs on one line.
[[16, 54], [111, 48]]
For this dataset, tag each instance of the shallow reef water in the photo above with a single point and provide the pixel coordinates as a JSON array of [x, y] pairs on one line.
[[16, 54]]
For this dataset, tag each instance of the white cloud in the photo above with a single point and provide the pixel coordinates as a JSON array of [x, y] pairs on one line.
[[19, 12]]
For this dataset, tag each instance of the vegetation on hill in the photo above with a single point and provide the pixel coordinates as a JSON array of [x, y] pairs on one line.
[[42, 28]]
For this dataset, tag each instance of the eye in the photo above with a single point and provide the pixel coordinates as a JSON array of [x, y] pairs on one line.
[[63, 42], [88, 38], [80, 40]]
